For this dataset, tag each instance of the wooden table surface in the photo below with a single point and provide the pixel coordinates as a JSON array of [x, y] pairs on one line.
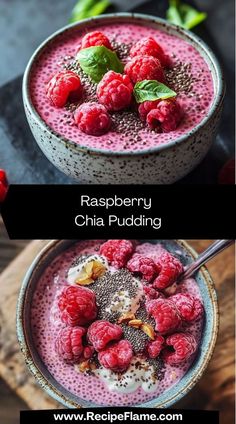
[[215, 389]]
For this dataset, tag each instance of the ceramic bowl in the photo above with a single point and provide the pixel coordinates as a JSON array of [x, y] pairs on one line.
[[163, 164], [47, 381]]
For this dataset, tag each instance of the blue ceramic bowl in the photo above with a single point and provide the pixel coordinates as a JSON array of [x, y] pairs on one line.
[[58, 392]]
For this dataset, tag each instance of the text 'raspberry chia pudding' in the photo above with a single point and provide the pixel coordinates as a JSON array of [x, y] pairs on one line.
[[121, 87], [112, 325]]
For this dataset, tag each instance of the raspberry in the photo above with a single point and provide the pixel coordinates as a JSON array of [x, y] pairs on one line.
[[189, 308], [169, 269], [3, 185], [144, 68], [77, 305], [88, 352], [149, 47], [143, 266], [100, 333], [69, 344], [184, 345], [227, 173], [117, 252], [165, 314], [92, 118], [166, 116], [151, 293], [117, 357], [64, 85], [145, 107], [154, 348], [115, 91], [95, 38]]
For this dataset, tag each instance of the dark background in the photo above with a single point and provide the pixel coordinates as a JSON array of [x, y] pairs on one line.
[[24, 24]]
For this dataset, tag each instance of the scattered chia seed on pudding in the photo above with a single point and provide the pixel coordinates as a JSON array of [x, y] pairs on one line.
[[188, 74], [118, 293]]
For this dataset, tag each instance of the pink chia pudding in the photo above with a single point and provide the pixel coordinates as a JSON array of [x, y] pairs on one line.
[[125, 127], [112, 325]]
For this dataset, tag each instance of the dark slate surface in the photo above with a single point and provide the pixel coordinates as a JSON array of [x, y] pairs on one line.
[[24, 25]]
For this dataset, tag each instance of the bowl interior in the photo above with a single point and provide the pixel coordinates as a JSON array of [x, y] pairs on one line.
[[140, 19], [47, 381]]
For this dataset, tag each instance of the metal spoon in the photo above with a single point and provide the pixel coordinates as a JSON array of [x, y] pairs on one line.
[[205, 256]]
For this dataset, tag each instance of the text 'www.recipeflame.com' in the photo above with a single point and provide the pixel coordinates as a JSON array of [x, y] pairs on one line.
[[112, 417]]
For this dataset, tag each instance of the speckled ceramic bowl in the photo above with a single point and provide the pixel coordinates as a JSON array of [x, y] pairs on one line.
[[163, 164], [53, 388]]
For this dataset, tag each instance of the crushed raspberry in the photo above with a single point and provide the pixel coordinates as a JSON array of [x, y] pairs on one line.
[[184, 345], [77, 305], [3, 185], [92, 118], [145, 107], [169, 269], [95, 38], [117, 252], [144, 68], [154, 348], [117, 357], [189, 308], [166, 116], [100, 333], [143, 266], [149, 47], [165, 314], [115, 91], [64, 85], [151, 293], [69, 344]]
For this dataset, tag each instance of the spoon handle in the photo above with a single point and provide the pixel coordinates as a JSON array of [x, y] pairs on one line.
[[205, 256]]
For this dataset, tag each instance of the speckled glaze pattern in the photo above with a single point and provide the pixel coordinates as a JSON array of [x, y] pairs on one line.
[[58, 392], [163, 164]]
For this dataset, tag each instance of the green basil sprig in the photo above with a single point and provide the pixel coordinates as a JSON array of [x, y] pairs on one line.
[[88, 8], [151, 90], [184, 15], [96, 61]]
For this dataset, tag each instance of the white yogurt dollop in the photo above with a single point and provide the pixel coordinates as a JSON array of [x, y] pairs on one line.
[[128, 382], [77, 271]]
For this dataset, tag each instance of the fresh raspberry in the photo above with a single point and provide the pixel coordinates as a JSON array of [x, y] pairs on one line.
[[149, 47], [145, 107], [165, 314], [169, 269], [117, 252], [151, 293], [144, 68], [115, 91], [189, 308], [69, 344], [166, 117], [92, 118], [64, 85], [3, 185], [77, 305], [95, 38], [88, 352], [227, 173], [154, 348], [143, 266], [100, 333], [117, 357], [184, 345]]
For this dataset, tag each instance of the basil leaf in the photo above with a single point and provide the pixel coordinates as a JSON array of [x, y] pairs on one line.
[[184, 15], [88, 8], [96, 61], [151, 90]]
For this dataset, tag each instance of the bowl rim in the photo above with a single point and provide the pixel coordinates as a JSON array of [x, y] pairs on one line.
[[138, 17], [53, 391]]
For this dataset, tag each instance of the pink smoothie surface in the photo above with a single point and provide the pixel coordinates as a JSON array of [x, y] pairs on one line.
[[195, 102], [45, 324]]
